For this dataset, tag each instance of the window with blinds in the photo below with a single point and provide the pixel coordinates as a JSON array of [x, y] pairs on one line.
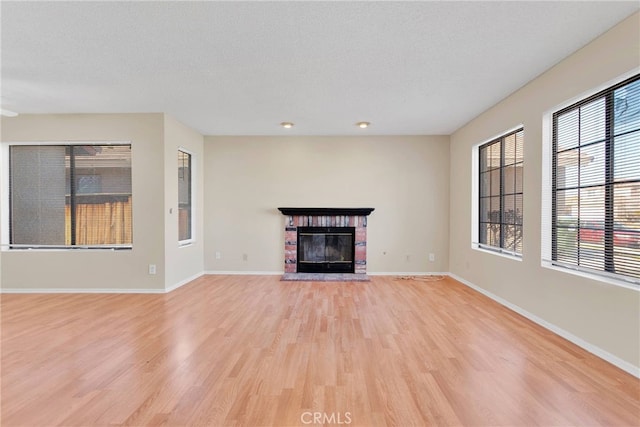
[[595, 218], [185, 222], [500, 193], [70, 196]]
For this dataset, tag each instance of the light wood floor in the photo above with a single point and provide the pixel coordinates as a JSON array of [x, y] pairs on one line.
[[254, 351]]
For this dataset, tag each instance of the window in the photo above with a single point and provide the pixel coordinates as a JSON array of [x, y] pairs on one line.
[[500, 193], [185, 217], [595, 200], [70, 196]]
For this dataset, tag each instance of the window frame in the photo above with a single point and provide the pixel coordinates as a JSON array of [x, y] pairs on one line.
[[476, 194], [192, 228], [549, 183], [5, 197]]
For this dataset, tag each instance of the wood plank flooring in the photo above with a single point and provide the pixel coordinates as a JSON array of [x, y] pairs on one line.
[[255, 351]]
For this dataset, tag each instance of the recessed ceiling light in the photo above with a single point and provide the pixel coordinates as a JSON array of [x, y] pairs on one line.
[[287, 125], [363, 125], [7, 113]]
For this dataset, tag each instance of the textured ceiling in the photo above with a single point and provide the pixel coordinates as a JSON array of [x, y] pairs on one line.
[[241, 68]]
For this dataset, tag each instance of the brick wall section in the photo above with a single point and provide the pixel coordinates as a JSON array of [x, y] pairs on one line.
[[292, 222]]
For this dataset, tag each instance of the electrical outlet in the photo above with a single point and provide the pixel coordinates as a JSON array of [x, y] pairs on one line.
[[218, 255], [408, 258], [432, 257], [245, 257], [152, 269]]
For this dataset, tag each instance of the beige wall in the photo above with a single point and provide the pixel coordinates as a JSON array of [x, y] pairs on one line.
[[406, 180], [2, 200], [241, 181], [154, 139], [601, 314], [182, 263]]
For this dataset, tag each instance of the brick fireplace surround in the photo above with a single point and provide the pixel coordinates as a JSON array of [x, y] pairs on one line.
[[324, 217]]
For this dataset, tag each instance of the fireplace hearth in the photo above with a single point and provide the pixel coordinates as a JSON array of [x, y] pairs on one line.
[[331, 241]]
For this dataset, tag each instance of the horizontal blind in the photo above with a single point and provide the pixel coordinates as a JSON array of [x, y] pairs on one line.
[[70, 196], [596, 183]]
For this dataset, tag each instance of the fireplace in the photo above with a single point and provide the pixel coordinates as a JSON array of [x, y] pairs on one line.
[[326, 249], [325, 240]]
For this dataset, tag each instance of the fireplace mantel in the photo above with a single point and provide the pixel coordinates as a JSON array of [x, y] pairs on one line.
[[326, 211]]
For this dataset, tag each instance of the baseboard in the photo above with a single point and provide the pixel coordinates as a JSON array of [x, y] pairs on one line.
[[277, 273], [79, 291], [183, 282], [244, 273], [603, 354], [98, 290], [408, 273]]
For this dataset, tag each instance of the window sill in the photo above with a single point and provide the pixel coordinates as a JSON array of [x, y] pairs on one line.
[[186, 243], [61, 249], [497, 252], [597, 277]]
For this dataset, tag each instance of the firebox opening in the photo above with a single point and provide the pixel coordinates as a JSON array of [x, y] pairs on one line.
[[326, 249]]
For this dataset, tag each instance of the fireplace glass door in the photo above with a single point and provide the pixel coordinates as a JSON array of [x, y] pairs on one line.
[[326, 249]]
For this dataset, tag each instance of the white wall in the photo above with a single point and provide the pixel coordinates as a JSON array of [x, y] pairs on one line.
[[186, 262], [603, 315], [406, 180]]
